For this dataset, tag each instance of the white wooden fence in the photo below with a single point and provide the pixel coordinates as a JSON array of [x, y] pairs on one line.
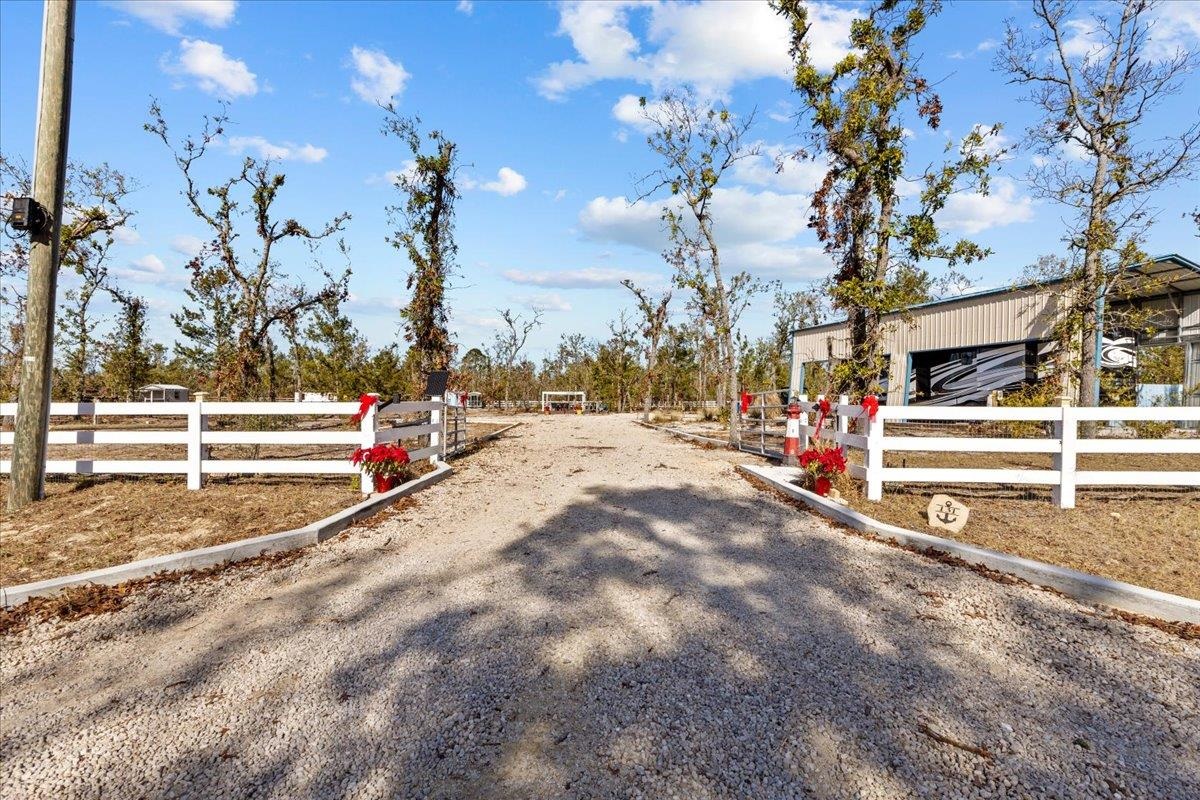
[[198, 438], [1064, 445]]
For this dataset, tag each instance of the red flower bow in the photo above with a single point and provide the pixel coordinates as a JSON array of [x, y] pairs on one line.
[[365, 401], [747, 399], [824, 407], [870, 405]]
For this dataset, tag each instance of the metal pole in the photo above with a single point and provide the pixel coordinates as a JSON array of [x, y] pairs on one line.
[[49, 177]]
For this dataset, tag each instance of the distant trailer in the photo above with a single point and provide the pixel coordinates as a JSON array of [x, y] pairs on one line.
[[563, 401], [474, 399], [164, 393]]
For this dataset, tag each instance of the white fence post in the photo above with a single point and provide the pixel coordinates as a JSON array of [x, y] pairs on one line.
[[1066, 429], [805, 420], [842, 423], [435, 418], [873, 458], [195, 443], [368, 426]]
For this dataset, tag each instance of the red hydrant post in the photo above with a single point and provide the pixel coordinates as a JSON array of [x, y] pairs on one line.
[[791, 441]]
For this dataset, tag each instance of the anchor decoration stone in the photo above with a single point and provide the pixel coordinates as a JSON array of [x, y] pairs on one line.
[[947, 514]]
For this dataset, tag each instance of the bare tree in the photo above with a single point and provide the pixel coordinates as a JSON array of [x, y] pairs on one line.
[[511, 340], [1091, 155], [654, 319], [250, 283], [697, 143]]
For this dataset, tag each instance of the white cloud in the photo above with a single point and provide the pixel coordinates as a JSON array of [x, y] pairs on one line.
[[586, 278], [286, 151], [544, 301], [149, 269], [995, 141], [983, 47], [478, 321], [508, 182], [170, 16], [1082, 38], [188, 245], [149, 263], [555, 196], [629, 111], [377, 78], [127, 235], [741, 217], [971, 213], [374, 305], [465, 7], [1173, 27], [751, 38], [213, 71], [784, 112], [392, 176], [796, 175], [1176, 26], [788, 262]]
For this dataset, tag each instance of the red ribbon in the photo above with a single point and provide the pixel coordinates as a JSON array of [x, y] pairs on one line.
[[747, 399], [824, 407], [870, 406], [365, 401]]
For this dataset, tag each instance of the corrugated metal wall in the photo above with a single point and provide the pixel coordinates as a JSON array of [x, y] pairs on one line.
[[990, 319]]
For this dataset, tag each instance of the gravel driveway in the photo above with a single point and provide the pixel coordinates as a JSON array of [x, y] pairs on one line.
[[591, 609]]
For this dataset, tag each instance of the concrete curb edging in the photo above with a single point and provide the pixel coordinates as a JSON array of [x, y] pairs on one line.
[[487, 437], [1081, 586], [684, 435], [242, 549]]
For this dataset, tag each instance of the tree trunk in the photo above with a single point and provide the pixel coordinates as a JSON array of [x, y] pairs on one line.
[[1093, 282]]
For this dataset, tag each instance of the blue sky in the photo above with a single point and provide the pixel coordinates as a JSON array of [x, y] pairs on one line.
[[538, 96]]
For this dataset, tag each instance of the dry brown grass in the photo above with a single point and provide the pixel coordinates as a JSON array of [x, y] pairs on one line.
[[86, 524], [1146, 537]]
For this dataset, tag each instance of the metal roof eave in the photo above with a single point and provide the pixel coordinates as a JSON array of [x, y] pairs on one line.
[[1169, 257]]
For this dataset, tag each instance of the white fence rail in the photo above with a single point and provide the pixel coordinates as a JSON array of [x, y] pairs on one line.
[[1064, 445], [198, 439]]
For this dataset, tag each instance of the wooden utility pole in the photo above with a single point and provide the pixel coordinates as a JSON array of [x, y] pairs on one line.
[[49, 177]]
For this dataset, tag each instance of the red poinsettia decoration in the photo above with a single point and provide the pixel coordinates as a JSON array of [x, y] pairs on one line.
[[385, 458], [822, 464]]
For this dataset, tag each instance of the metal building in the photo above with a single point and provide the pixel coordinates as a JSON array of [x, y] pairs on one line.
[[959, 350]]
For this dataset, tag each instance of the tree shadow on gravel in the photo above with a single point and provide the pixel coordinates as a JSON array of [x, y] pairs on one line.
[[672, 642]]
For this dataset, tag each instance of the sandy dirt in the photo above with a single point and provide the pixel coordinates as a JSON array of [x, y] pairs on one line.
[[591, 609]]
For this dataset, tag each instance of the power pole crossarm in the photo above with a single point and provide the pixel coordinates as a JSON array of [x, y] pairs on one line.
[[49, 177]]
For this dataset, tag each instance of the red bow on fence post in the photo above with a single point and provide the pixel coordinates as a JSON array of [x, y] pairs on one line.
[[824, 407], [747, 399], [365, 401], [870, 406]]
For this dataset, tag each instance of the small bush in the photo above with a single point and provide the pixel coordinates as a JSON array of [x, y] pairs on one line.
[[1042, 393]]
